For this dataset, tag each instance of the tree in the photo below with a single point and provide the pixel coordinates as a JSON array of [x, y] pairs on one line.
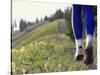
[[59, 14], [30, 23], [37, 21], [45, 18], [68, 23], [95, 18], [23, 25], [51, 18], [41, 20]]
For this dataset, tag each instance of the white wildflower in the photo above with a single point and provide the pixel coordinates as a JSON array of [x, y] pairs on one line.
[[23, 70], [42, 43], [59, 65], [46, 64], [13, 67]]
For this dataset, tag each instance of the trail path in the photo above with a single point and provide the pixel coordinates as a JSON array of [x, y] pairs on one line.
[[71, 50]]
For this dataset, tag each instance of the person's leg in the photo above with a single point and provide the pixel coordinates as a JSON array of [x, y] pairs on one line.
[[89, 27], [77, 30]]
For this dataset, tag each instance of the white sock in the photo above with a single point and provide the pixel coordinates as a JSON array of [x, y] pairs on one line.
[[78, 43], [89, 41]]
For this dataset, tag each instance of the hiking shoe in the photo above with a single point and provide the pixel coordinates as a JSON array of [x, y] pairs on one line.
[[79, 54], [88, 60]]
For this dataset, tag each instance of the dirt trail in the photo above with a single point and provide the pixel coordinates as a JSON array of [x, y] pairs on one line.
[[71, 50]]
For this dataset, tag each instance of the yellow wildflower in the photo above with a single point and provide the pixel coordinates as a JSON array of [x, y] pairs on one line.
[[22, 49]]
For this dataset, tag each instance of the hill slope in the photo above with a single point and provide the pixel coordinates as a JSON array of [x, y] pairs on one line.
[[45, 50]]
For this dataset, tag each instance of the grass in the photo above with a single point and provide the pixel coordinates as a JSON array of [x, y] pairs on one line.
[[43, 50]]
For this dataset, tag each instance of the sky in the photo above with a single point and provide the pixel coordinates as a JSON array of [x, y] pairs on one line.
[[30, 10]]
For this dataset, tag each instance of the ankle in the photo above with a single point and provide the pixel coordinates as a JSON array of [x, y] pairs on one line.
[[89, 41]]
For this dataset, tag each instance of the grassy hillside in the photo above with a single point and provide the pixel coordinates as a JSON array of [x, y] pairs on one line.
[[45, 50]]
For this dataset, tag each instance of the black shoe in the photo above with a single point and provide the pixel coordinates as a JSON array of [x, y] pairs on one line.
[[88, 56], [79, 58]]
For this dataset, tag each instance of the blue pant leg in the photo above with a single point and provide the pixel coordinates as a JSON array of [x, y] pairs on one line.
[[88, 19], [76, 21]]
